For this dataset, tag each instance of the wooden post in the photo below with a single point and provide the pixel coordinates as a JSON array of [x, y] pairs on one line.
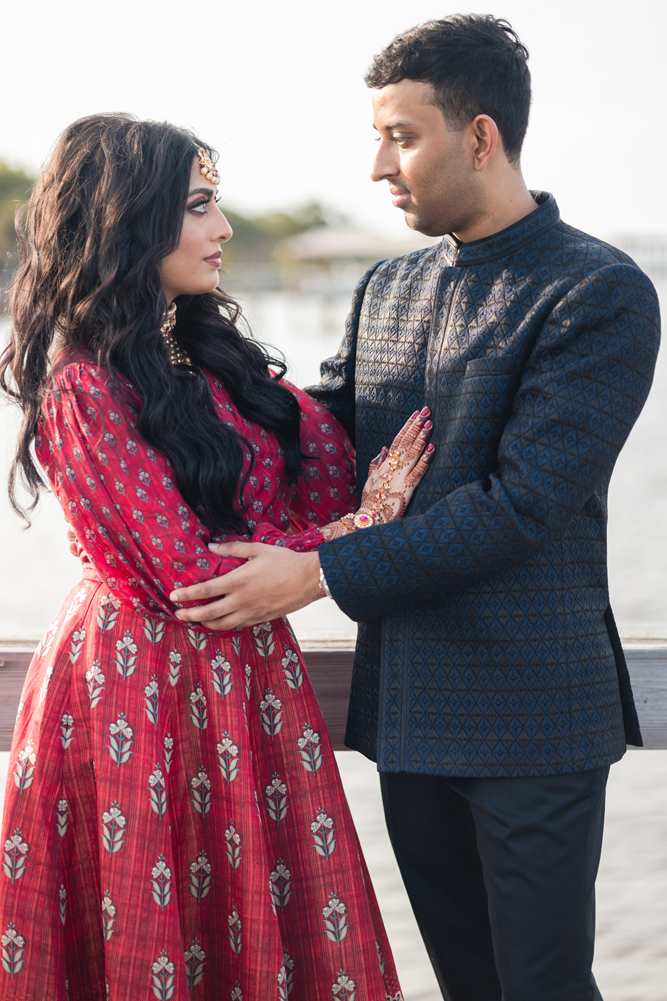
[[647, 663]]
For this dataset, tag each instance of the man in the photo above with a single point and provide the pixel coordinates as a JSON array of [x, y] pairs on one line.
[[489, 681]]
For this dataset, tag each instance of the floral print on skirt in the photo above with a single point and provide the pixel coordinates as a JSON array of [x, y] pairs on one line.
[[175, 825]]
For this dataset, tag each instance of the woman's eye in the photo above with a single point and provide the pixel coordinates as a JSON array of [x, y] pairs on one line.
[[199, 208]]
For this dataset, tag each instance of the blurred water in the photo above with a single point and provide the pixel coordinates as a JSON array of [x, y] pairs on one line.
[[37, 569]]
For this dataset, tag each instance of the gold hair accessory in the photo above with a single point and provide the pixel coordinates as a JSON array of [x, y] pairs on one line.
[[207, 167], [177, 355]]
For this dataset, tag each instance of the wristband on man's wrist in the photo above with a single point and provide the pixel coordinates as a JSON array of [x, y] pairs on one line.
[[324, 587]]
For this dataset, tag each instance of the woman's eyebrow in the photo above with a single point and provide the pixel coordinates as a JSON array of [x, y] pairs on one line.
[[200, 191]]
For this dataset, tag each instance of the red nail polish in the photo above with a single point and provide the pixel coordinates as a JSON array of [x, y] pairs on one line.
[[430, 449], [416, 414], [428, 425], [425, 412]]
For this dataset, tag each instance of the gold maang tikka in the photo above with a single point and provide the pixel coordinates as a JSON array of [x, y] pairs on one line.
[[177, 355], [207, 167]]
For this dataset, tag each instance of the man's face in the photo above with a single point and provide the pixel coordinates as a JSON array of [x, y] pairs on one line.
[[429, 168]]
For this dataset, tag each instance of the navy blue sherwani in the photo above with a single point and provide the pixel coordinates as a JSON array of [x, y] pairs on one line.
[[487, 646]]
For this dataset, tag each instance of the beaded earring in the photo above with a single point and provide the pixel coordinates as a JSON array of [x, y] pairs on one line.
[[177, 355]]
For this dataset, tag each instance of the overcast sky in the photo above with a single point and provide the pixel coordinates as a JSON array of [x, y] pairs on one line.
[[278, 89]]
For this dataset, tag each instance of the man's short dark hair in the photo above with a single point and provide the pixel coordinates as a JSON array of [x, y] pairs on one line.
[[477, 66]]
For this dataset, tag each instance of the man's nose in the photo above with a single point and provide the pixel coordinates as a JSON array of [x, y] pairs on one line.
[[385, 164]]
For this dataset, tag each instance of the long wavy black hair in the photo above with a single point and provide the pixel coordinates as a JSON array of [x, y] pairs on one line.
[[107, 209]]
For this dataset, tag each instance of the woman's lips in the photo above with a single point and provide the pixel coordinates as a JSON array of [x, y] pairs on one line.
[[215, 260]]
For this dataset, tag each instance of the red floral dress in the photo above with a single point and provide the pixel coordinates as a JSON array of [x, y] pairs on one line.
[[175, 825]]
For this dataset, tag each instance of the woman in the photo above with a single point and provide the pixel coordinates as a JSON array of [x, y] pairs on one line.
[[174, 823]]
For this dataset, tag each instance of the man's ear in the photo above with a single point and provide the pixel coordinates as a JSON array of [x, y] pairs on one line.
[[485, 141]]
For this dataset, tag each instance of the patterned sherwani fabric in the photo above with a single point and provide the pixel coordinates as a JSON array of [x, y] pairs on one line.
[[174, 825], [487, 646]]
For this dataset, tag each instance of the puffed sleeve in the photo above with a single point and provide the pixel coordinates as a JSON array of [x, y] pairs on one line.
[[326, 490], [119, 494]]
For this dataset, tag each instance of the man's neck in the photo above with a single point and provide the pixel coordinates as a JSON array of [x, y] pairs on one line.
[[509, 202]]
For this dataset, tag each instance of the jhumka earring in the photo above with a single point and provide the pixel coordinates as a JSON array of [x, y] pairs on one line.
[[207, 167], [177, 355]]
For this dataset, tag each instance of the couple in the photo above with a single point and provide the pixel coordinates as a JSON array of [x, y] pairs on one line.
[[174, 824]]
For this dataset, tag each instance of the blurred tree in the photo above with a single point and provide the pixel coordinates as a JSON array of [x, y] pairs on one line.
[[256, 236], [14, 189]]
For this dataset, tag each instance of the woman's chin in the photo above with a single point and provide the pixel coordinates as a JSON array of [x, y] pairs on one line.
[[200, 288]]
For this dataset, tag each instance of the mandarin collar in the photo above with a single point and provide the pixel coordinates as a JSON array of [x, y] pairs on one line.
[[508, 240]]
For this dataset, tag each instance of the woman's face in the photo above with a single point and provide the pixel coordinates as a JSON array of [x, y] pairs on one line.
[[192, 268]]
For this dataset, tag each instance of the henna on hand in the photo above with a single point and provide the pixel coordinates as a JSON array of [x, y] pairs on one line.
[[391, 482], [393, 476], [334, 530], [413, 479]]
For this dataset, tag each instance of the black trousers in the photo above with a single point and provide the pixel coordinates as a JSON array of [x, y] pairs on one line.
[[501, 877]]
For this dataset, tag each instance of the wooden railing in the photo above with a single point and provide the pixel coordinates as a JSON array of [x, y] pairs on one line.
[[330, 672]]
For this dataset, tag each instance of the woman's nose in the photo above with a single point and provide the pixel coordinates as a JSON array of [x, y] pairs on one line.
[[225, 231]]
